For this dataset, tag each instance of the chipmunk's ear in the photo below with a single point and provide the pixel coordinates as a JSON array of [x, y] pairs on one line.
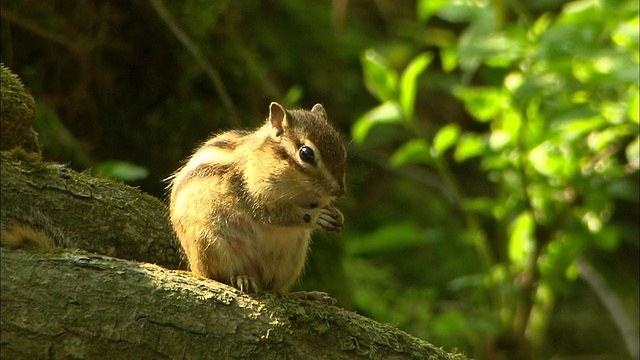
[[277, 118], [318, 109]]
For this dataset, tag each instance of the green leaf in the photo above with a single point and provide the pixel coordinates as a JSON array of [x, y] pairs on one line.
[[496, 50], [445, 138], [554, 159], [483, 103], [632, 153], [511, 123], [122, 170], [482, 205], [415, 151], [521, 240], [380, 78], [558, 256], [449, 58], [460, 11], [539, 26], [293, 96], [427, 8], [580, 12], [409, 83], [602, 139], [606, 68], [499, 139], [633, 106], [387, 113], [576, 122], [626, 34], [470, 145]]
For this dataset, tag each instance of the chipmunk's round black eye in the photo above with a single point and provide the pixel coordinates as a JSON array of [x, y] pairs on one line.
[[307, 155]]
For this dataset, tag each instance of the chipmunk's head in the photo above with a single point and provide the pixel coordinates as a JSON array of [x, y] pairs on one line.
[[312, 151]]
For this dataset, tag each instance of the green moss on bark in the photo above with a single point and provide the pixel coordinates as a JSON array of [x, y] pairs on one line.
[[16, 114]]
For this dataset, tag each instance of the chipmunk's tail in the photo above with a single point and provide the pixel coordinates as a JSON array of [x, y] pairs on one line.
[[23, 229], [25, 236]]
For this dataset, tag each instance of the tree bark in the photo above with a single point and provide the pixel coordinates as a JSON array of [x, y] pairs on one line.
[[83, 212], [71, 304]]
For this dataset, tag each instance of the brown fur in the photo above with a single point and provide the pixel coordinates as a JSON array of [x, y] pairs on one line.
[[28, 228], [26, 236], [244, 205]]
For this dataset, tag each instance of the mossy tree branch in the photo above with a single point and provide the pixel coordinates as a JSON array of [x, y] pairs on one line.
[[61, 304]]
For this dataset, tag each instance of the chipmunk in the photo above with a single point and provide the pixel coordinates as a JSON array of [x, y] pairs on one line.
[[28, 228], [245, 204]]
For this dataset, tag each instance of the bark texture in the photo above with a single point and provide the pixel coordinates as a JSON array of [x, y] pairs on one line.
[[71, 304], [83, 212]]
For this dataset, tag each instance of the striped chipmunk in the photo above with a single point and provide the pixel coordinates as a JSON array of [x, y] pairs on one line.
[[245, 204]]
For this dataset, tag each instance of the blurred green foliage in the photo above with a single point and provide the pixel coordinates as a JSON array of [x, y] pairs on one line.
[[559, 99], [493, 153]]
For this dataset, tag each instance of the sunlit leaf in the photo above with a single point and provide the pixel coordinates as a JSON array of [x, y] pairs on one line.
[[633, 108], [495, 49], [445, 138], [560, 44], [553, 159], [380, 78], [482, 103], [593, 221], [427, 8], [521, 240], [605, 67], [543, 85], [576, 122], [470, 145], [511, 123], [408, 83], [600, 140], [579, 12], [543, 162], [539, 26], [459, 11], [499, 139], [387, 113], [632, 153], [449, 58], [626, 34], [513, 81], [415, 151]]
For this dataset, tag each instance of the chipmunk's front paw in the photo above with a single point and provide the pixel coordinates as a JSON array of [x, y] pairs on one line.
[[246, 284], [331, 219]]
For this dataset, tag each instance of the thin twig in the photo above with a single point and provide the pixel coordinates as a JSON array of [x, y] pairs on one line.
[[195, 52], [74, 45], [613, 305]]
